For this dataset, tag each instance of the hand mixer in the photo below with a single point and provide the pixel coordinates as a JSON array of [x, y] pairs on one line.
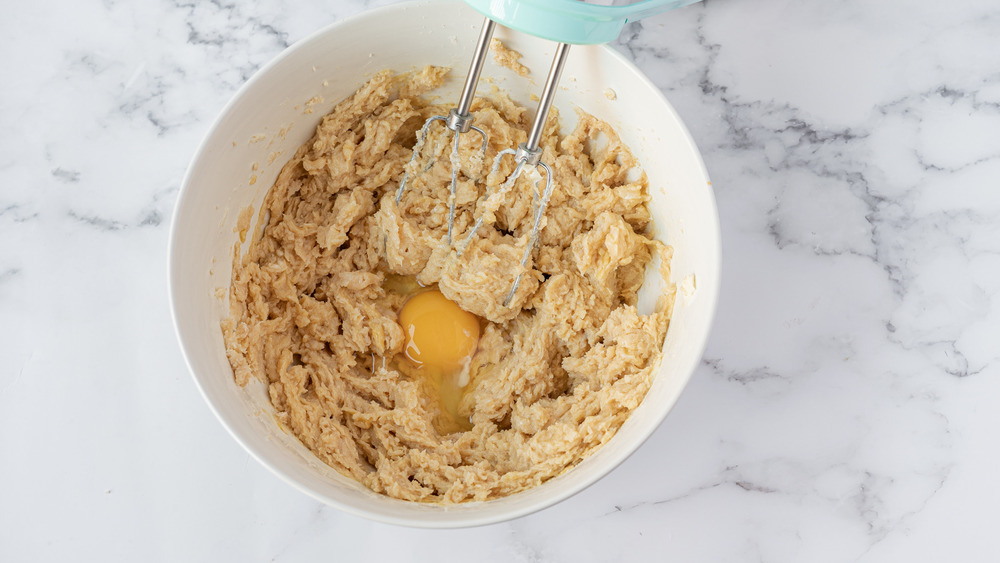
[[565, 21]]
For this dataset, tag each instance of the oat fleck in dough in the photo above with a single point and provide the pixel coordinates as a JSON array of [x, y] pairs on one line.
[[554, 377]]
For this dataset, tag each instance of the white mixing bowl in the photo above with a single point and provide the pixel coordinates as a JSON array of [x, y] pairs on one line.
[[277, 110]]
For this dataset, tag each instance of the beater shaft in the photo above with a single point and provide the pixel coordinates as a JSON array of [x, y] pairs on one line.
[[475, 69], [545, 102]]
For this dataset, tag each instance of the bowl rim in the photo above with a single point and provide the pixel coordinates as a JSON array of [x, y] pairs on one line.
[[462, 520]]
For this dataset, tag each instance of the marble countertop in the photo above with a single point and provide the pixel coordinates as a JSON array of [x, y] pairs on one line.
[[847, 405]]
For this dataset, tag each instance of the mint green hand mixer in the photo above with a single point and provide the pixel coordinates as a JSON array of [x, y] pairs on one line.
[[567, 22]]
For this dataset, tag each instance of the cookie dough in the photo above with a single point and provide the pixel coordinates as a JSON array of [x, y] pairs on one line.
[[314, 300], [507, 57]]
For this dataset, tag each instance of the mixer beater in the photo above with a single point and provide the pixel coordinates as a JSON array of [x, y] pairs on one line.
[[527, 154], [565, 21], [459, 121]]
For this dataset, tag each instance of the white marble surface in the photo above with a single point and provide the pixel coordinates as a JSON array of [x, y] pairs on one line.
[[847, 407]]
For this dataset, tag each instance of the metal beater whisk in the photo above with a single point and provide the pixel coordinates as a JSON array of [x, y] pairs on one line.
[[459, 120], [527, 154]]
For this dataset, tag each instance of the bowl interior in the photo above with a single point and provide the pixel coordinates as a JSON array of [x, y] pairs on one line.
[[277, 110]]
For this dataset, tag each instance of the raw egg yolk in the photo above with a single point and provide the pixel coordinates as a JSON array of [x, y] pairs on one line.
[[439, 333]]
